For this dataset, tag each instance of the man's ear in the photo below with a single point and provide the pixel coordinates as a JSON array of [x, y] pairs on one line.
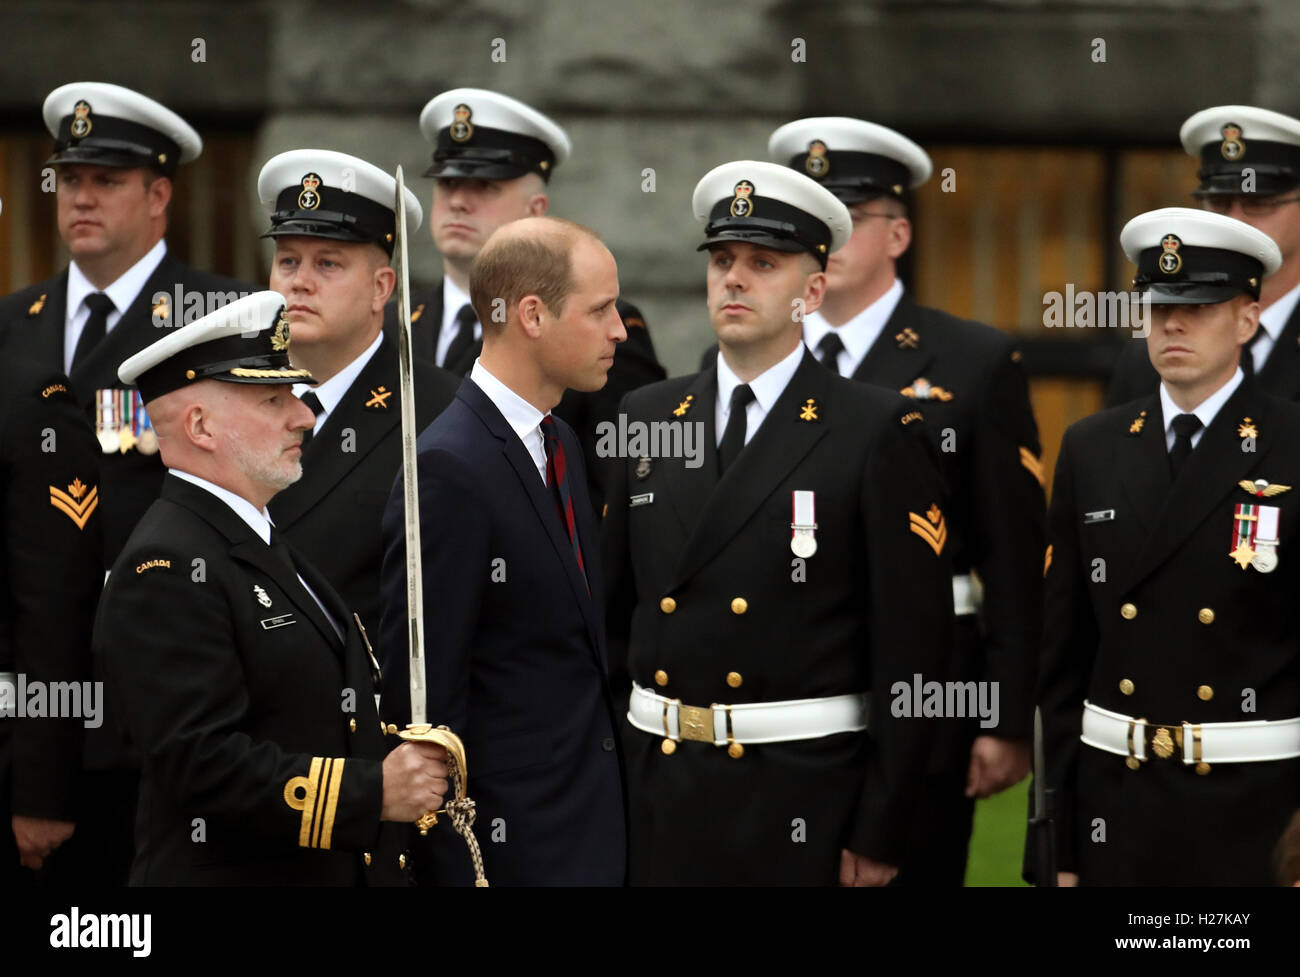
[[159, 195], [537, 205], [197, 427], [900, 237], [814, 291], [385, 280], [532, 314], [1247, 320]]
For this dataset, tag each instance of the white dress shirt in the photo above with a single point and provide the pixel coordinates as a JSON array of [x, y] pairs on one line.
[[453, 300], [767, 387], [1205, 410], [524, 419], [330, 393], [858, 334], [258, 520], [123, 292], [1271, 323]]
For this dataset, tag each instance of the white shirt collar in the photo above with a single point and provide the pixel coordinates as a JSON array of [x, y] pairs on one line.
[[767, 386], [1273, 319], [524, 419], [123, 291], [860, 332], [259, 520], [1205, 410], [331, 392]]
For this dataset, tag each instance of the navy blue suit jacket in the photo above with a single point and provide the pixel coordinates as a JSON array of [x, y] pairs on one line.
[[515, 655]]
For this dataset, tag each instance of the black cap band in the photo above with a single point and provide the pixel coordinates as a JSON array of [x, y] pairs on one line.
[[1275, 165], [769, 223], [854, 176], [115, 142], [490, 154], [1202, 275], [339, 215]]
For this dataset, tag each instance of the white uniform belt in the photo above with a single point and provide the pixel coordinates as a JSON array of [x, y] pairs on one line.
[[1245, 742], [751, 722], [967, 594]]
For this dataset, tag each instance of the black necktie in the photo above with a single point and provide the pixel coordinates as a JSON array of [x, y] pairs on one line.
[[1184, 425], [733, 438], [311, 400], [93, 332], [829, 350], [464, 337], [1248, 353]]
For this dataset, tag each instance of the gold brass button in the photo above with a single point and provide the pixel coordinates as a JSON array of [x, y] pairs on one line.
[[1133, 762], [1126, 686], [734, 679], [1205, 615], [739, 605], [669, 747], [668, 605], [1128, 611], [1205, 693], [661, 677], [392, 729], [352, 725], [735, 751], [366, 856], [401, 861], [1202, 768]]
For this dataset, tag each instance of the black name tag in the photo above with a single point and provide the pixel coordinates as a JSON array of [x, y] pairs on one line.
[[644, 499], [279, 621], [1101, 515]]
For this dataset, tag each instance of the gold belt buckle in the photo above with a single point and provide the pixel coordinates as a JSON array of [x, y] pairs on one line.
[[695, 723]]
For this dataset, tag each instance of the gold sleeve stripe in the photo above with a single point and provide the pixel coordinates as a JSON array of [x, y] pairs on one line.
[[319, 813], [1047, 559], [331, 803], [307, 802], [1031, 462]]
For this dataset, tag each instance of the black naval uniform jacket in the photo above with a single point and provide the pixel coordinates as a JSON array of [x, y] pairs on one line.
[[50, 577], [32, 321], [703, 583], [1135, 377], [1149, 616], [249, 711], [635, 365], [332, 515], [515, 659]]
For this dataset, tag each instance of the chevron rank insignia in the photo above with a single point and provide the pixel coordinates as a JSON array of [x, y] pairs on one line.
[[931, 527], [78, 503], [379, 398], [1262, 489]]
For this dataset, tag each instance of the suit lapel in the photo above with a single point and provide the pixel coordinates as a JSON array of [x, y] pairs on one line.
[[133, 332], [1281, 373], [1207, 478], [1142, 461], [898, 356], [775, 450], [323, 463], [689, 489], [541, 499], [42, 331], [247, 547]]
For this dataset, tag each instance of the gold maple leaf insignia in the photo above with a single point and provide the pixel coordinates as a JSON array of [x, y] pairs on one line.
[[76, 489]]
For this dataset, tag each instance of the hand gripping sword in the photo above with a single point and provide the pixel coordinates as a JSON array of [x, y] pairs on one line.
[[460, 809]]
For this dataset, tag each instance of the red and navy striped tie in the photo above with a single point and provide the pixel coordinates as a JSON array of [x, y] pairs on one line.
[[557, 479]]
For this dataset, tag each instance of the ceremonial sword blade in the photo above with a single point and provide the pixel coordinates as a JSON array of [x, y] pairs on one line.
[[1040, 770], [410, 488]]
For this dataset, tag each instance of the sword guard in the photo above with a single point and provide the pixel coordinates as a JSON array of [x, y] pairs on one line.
[[458, 768]]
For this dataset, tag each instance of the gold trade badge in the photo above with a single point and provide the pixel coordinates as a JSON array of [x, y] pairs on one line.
[[35, 307], [78, 503], [1233, 146], [816, 162], [309, 198], [808, 412], [923, 389], [741, 204], [461, 129], [1261, 488], [379, 398], [280, 335], [1138, 423], [81, 124], [684, 406], [931, 527], [907, 339], [1171, 262], [419, 311], [1247, 429], [160, 308]]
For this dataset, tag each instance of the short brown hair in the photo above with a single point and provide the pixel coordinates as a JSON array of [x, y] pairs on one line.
[[532, 256]]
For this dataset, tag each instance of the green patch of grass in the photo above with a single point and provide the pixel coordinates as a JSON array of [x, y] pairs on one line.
[[998, 841]]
